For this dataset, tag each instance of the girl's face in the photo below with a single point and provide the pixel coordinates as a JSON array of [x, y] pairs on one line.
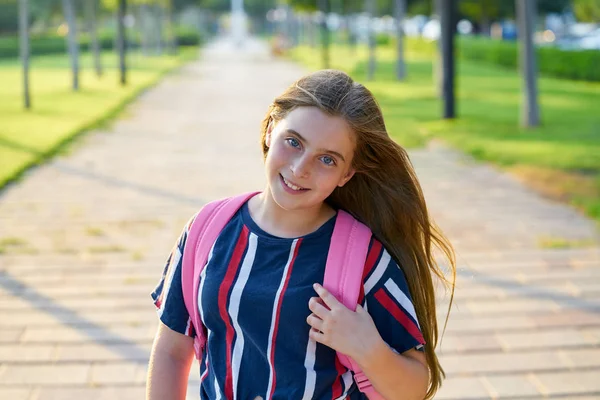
[[310, 154]]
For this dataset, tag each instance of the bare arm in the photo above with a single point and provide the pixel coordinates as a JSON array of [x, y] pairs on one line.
[[396, 376], [170, 363]]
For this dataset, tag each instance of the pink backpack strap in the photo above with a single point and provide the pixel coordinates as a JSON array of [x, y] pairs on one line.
[[202, 235], [344, 278]]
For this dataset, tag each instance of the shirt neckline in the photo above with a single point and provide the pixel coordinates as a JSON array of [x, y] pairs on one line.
[[325, 229]]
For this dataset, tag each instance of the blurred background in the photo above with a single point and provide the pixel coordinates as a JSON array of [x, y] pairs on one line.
[[116, 48]]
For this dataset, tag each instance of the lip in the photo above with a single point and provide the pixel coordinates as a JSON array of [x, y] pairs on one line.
[[290, 190]]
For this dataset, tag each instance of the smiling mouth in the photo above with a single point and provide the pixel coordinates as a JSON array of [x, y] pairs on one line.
[[291, 185]]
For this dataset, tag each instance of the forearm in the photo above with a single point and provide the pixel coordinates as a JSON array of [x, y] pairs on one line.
[[167, 377], [394, 376]]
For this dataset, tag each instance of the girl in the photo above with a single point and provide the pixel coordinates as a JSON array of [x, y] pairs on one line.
[[272, 329]]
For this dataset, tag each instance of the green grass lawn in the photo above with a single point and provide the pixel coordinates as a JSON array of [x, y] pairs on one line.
[[561, 158], [58, 113]]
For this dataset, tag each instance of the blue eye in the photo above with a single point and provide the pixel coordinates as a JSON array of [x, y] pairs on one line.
[[328, 160], [293, 142]]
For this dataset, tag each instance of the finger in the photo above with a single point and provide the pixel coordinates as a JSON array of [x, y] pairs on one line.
[[315, 322], [314, 304], [317, 336], [328, 298]]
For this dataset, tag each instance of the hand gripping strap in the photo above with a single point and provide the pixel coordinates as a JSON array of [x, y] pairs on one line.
[[343, 277], [202, 235]]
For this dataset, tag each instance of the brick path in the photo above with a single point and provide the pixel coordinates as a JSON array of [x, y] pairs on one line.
[[84, 239]]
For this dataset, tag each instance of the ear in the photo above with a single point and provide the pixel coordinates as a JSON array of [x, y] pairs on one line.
[[268, 135], [347, 177]]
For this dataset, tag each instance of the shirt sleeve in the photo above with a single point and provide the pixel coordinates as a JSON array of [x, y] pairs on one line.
[[168, 294], [386, 297]]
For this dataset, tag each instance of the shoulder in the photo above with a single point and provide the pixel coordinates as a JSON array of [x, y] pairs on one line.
[[382, 271]]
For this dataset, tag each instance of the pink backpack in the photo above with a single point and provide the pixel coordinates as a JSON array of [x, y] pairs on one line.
[[343, 271]]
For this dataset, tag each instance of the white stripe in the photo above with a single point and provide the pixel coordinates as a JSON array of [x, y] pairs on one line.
[[217, 389], [208, 332], [188, 326], [378, 273], [234, 309], [274, 315], [169, 278], [203, 376], [401, 298], [311, 374], [347, 378]]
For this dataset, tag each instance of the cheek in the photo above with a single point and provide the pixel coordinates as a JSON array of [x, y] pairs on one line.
[[278, 155]]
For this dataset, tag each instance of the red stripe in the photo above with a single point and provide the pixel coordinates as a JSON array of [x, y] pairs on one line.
[[232, 269], [389, 304], [337, 386], [276, 328], [372, 257]]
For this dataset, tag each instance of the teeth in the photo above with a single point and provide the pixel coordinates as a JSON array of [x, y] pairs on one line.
[[288, 184]]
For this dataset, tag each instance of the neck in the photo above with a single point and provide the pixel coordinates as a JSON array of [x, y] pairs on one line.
[[284, 223]]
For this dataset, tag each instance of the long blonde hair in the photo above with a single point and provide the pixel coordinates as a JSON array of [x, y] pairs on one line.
[[384, 193]]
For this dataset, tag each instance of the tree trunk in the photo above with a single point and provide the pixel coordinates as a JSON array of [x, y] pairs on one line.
[[437, 67], [370, 6], [122, 40], [485, 18], [158, 19], [72, 40], [400, 13], [530, 113], [172, 32], [325, 8], [24, 49], [91, 15], [312, 31], [448, 23], [145, 23]]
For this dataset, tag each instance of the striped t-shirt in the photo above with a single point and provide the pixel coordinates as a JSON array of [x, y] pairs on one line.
[[254, 295]]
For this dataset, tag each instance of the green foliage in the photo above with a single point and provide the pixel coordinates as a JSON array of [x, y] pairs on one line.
[[54, 44], [587, 10], [579, 65], [383, 39], [9, 21]]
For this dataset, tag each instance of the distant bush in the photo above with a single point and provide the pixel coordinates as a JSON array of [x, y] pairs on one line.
[[52, 44], [578, 65], [382, 40]]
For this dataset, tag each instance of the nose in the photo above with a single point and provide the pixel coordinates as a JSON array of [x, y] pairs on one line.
[[300, 167]]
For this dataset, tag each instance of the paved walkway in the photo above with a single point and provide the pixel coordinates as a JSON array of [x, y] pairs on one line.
[[84, 239]]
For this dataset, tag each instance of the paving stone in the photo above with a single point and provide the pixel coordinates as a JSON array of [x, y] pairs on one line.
[[11, 335], [567, 383], [91, 393], [63, 334], [26, 353], [15, 394], [104, 352], [51, 375], [458, 388], [558, 338], [504, 362], [503, 387], [113, 373]]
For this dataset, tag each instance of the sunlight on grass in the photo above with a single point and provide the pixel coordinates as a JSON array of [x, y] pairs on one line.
[[58, 113]]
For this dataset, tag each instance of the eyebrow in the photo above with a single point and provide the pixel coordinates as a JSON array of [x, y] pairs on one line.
[[335, 153]]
